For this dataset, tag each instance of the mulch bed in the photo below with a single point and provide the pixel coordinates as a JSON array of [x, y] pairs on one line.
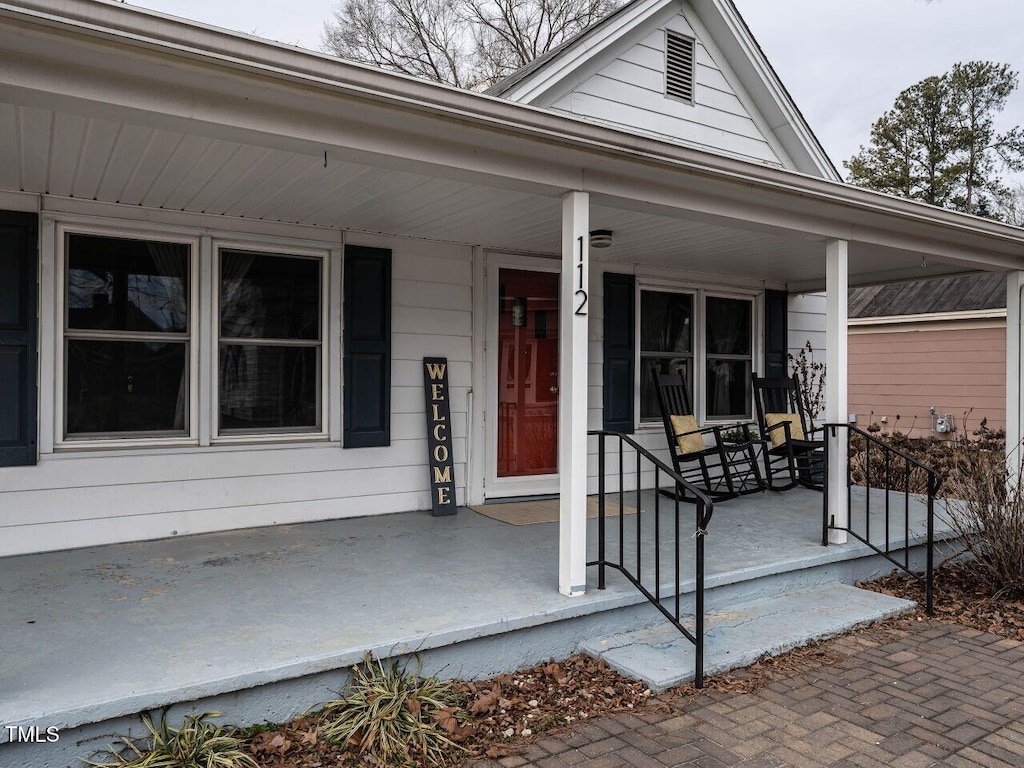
[[959, 598], [510, 710]]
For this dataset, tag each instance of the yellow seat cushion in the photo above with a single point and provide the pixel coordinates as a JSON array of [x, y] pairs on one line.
[[687, 443], [778, 436]]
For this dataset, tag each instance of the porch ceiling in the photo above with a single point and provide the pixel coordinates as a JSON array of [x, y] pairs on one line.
[[68, 155], [288, 136]]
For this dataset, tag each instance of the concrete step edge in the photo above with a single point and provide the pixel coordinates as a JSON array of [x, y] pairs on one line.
[[738, 636]]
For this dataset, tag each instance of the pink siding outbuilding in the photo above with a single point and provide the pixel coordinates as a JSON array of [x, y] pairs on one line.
[[896, 375]]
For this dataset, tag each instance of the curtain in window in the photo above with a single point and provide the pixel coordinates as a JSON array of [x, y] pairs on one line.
[[241, 316], [728, 356], [167, 257], [269, 351]]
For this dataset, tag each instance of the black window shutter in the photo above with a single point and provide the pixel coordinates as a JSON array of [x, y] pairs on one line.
[[776, 334], [18, 237], [619, 351], [367, 347]]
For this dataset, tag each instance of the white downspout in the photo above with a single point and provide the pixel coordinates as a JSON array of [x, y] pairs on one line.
[[1014, 369]]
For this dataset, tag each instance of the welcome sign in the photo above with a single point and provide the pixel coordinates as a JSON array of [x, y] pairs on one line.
[[439, 436]]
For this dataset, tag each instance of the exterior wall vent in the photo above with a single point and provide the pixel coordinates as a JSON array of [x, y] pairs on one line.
[[679, 66]]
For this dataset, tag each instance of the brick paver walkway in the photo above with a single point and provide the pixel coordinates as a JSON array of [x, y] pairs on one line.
[[926, 694]]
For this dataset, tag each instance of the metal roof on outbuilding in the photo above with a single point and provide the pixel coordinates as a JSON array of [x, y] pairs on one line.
[[984, 290]]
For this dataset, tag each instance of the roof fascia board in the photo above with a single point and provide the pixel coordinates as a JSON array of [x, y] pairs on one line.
[[724, 22], [931, 317], [741, 90], [620, 160]]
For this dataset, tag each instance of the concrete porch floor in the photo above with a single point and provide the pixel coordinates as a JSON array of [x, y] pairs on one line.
[[94, 634]]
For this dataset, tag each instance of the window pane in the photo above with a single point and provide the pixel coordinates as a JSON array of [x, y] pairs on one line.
[[728, 322], [264, 387], [666, 322], [265, 296], [127, 285], [649, 410], [118, 386], [729, 393]]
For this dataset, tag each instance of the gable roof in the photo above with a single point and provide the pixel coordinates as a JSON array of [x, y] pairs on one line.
[[507, 84], [964, 293], [558, 70]]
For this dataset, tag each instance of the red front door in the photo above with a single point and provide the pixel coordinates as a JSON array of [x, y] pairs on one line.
[[527, 373]]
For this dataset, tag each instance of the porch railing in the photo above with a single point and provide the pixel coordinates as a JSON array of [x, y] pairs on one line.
[[643, 568], [896, 485]]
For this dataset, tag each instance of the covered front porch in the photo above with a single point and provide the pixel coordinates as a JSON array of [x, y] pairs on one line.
[[135, 128], [232, 144], [261, 623]]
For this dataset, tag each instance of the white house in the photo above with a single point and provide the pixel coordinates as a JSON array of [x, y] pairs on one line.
[[224, 260]]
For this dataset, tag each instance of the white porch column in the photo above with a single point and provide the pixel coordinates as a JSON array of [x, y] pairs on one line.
[[574, 312], [1014, 359], [836, 313]]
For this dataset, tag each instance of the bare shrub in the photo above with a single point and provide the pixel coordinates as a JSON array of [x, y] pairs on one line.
[[984, 505], [869, 466], [950, 458], [985, 508], [811, 376]]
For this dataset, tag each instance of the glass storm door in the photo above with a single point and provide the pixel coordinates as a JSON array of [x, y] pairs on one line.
[[527, 373]]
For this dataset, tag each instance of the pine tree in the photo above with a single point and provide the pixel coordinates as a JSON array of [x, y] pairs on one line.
[[938, 143]]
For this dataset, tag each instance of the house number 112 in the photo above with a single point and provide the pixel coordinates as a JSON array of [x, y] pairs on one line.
[[581, 293]]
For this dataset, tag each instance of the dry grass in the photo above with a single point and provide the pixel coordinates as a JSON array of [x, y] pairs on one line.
[[395, 716], [196, 744]]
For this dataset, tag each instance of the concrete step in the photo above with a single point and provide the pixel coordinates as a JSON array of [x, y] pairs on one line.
[[661, 657]]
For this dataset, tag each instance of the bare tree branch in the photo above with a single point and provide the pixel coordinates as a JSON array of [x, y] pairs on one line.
[[467, 43]]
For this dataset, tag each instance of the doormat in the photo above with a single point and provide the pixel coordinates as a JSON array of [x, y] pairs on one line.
[[542, 510]]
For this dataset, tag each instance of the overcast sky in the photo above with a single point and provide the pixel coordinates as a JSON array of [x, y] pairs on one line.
[[843, 61]]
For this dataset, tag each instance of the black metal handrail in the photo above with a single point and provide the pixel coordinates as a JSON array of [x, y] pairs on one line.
[[667, 604], [895, 471]]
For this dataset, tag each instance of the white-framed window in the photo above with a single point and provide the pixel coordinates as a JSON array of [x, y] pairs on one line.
[[148, 357], [667, 322], [128, 336], [707, 336], [270, 330], [728, 357]]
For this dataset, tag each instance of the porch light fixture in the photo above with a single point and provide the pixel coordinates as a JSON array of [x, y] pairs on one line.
[[600, 238], [519, 312]]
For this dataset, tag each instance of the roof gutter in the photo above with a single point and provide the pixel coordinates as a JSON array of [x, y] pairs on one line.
[[107, 21]]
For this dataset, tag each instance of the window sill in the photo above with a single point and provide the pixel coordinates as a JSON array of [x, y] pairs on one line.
[[102, 448], [283, 438]]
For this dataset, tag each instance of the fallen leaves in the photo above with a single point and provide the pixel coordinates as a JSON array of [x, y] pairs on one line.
[[509, 708], [296, 745], [961, 598], [502, 710]]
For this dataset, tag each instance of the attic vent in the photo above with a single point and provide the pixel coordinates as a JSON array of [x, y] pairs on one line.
[[679, 66]]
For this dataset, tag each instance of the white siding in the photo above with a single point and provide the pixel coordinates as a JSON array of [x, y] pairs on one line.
[[630, 92], [807, 323], [80, 498]]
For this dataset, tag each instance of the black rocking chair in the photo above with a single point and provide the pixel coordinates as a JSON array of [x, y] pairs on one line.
[[723, 469], [788, 446]]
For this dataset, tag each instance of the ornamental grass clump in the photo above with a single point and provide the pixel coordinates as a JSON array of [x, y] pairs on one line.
[[985, 508], [396, 716], [196, 744]]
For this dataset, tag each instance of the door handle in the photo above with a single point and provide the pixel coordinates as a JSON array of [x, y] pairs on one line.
[[554, 390]]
